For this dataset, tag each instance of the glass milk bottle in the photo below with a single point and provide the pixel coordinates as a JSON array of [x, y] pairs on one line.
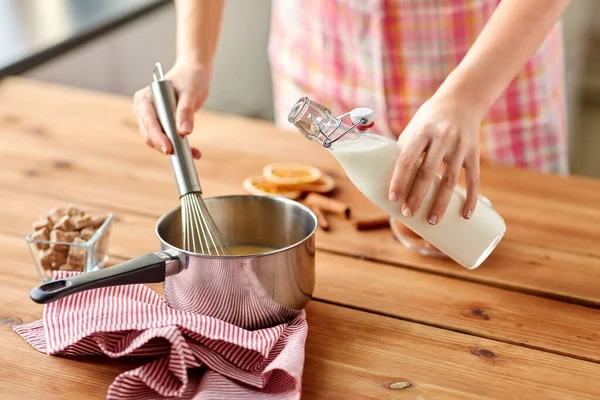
[[369, 162]]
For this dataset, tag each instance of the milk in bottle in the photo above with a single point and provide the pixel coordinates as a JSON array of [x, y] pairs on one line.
[[369, 161]]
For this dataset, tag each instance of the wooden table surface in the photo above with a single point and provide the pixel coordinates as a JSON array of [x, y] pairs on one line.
[[525, 325]]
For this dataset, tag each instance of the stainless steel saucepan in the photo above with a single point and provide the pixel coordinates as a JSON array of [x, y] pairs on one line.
[[251, 291]]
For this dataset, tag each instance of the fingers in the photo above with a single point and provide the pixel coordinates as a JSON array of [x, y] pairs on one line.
[[149, 125], [406, 166], [424, 176], [472, 183], [148, 122], [412, 180], [445, 188], [185, 114], [196, 153]]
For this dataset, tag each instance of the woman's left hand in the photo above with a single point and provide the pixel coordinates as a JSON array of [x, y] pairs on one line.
[[446, 130]]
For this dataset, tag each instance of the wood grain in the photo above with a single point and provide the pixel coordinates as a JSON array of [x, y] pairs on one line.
[[452, 333], [130, 234], [547, 272], [458, 305], [543, 210], [374, 351], [513, 264], [54, 150], [553, 219], [449, 303], [350, 354]]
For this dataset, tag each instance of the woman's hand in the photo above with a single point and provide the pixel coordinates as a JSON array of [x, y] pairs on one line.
[[190, 82], [446, 130], [446, 127]]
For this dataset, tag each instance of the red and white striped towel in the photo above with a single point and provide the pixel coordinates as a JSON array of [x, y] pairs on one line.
[[197, 357]]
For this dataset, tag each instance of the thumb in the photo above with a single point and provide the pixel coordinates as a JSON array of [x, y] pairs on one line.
[[185, 114]]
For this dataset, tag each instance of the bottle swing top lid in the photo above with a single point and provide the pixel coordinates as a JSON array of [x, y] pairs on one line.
[[363, 117]]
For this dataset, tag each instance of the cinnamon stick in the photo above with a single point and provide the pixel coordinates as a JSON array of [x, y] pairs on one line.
[[323, 223], [372, 223], [327, 204]]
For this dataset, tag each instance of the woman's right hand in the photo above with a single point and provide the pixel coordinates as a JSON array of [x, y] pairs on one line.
[[190, 82]]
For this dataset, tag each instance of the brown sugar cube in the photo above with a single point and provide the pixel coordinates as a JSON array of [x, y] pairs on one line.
[[73, 211], [56, 214], [52, 259], [77, 255], [69, 267], [80, 221], [87, 233], [57, 235], [78, 240], [76, 264], [64, 224], [55, 257], [43, 222], [42, 234], [97, 221], [46, 265]]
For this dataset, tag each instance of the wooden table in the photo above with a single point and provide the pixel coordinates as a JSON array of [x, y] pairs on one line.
[[525, 325]]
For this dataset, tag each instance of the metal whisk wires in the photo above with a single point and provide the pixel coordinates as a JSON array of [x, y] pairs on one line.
[[200, 233]]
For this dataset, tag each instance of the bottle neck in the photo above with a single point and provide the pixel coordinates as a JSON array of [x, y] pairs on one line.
[[336, 130], [317, 123]]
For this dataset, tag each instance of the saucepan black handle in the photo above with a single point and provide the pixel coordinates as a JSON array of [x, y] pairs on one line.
[[149, 268]]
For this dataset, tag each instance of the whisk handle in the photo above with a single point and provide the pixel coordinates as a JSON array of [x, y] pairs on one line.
[[182, 161]]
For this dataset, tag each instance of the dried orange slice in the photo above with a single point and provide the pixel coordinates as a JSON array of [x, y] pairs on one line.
[[325, 184], [260, 185], [291, 173]]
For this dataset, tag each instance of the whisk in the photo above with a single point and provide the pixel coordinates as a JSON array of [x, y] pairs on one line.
[[200, 233]]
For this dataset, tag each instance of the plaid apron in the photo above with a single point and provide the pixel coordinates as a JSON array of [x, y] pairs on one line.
[[392, 55]]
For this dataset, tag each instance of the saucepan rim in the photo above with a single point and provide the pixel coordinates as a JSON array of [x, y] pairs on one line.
[[274, 198]]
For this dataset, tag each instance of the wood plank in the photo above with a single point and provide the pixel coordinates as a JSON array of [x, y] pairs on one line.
[[513, 265], [449, 303], [461, 306], [535, 197], [376, 351], [130, 234], [27, 374], [350, 354], [519, 266], [536, 213], [543, 210], [19, 267]]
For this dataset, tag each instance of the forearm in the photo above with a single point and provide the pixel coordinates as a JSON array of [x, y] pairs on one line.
[[198, 26], [510, 38]]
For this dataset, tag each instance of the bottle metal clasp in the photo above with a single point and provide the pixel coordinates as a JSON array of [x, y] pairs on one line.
[[359, 116]]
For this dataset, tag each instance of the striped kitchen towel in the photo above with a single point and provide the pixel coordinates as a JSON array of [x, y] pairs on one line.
[[195, 356]]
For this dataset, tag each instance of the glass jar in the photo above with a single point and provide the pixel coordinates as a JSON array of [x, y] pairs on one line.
[[79, 255]]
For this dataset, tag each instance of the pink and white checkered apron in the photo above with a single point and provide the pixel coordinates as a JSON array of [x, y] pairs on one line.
[[391, 55]]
